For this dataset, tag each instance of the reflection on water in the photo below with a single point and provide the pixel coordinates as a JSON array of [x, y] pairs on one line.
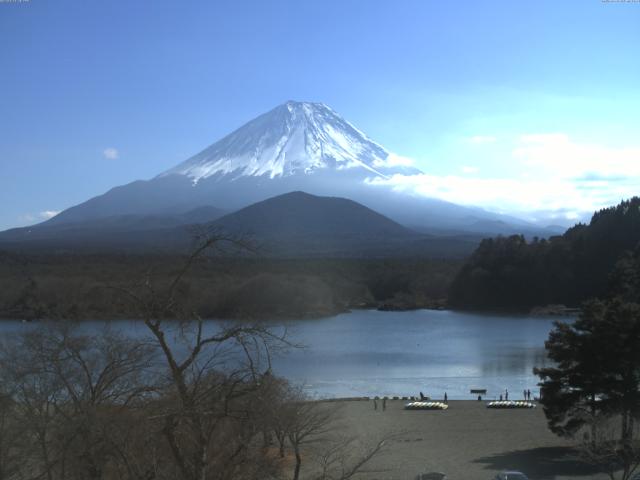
[[514, 362], [367, 353], [403, 353]]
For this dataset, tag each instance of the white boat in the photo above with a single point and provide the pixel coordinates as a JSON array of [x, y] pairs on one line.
[[511, 404], [426, 406]]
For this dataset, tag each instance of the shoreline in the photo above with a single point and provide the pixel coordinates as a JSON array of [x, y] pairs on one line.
[[538, 312]]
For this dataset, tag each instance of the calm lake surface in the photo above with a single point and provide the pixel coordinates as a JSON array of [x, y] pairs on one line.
[[403, 353], [368, 353]]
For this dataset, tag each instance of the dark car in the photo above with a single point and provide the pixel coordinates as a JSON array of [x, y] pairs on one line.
[[432, 476]]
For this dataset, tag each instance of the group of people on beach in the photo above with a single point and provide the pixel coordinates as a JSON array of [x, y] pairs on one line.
[[525, 393], [384, 403], [422, 397]]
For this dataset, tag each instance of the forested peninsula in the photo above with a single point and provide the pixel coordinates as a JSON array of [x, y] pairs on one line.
[[589, 260]]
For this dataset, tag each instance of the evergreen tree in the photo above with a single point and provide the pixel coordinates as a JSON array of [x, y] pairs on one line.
[[596, 375]]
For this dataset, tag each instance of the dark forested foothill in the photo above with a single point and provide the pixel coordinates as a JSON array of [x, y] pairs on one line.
[[87, 286], [516, 274]]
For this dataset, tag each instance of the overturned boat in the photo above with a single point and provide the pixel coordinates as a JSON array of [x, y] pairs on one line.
[[426, 406], [511, 404]]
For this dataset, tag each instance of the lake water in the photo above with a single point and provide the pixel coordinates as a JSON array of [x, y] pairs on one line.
[[368, 353], [403, 353]]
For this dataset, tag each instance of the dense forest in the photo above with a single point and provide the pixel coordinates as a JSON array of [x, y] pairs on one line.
[[515, 274], [90, 286], [508, 273]]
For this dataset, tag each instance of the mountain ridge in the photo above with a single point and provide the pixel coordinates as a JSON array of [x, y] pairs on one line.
[[295, 224]]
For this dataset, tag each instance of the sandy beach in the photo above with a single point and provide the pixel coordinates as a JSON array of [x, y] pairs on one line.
[[467, 441]]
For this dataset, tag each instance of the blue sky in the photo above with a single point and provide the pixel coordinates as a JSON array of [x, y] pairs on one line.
[[523, 107]]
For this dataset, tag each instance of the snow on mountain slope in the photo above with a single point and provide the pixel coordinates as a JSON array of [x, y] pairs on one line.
[[293, 138]]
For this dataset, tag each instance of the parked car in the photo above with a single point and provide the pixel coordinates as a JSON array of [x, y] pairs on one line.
[[511, 475], [432, 476]]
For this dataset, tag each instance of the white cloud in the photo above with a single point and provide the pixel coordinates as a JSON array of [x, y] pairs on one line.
[[553, 174], [111, 153], [394, 160], [47, 214], [478, 139], [32, 218], [556, 154]]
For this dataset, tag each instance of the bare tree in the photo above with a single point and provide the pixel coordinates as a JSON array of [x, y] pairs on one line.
[[309, 422], [211, 370], [70, 391], [189, 400], [10, 433], [346, 457], [314, 429]]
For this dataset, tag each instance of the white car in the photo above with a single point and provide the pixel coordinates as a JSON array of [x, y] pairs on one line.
[[511, 475]]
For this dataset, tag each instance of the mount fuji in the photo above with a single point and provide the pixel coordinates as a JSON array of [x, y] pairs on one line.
[[297, 146], [293, 139]]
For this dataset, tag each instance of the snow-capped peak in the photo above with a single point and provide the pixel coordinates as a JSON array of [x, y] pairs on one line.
[[293, 138]]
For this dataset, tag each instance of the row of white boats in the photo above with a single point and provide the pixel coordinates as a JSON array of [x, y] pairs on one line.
[[444, 406], [511, 404], [426, 406]]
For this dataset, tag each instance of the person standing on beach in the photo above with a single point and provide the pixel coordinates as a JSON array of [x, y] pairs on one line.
[[524, 394], [445, 397], [529, 395], [384, 404], [375, 404], [506, 394]]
